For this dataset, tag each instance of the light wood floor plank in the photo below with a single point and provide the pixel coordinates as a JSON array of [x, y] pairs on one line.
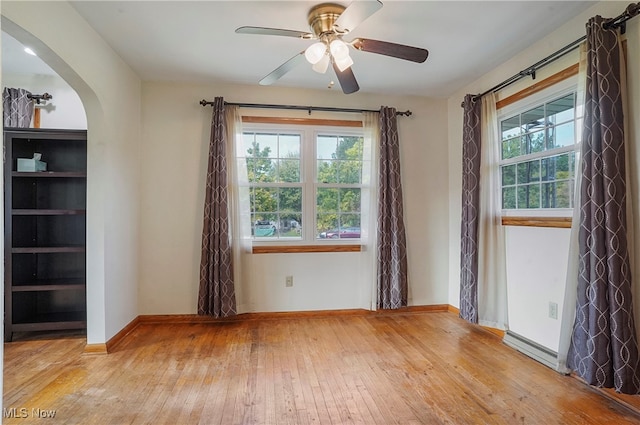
[[379, 369]]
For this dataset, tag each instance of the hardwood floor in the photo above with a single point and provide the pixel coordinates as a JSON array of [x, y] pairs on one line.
[[398, 368]]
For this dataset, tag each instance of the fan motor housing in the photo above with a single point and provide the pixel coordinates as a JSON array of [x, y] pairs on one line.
[[323, 16]]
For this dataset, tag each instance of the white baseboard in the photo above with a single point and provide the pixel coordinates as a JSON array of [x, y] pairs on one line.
[[534, 350]]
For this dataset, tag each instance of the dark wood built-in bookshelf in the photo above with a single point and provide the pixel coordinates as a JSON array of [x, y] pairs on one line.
[[45, 231]]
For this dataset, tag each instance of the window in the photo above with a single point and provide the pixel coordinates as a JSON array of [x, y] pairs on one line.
[[338, 193], [538, 153], [305, 185]]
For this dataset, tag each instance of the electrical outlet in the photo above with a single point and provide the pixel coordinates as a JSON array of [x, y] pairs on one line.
[[289, 281], [553, 310]]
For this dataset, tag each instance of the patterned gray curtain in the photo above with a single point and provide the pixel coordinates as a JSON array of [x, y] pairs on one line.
[[392, 245], [17, 108], [216, 296], [604, 349], [471, 132]]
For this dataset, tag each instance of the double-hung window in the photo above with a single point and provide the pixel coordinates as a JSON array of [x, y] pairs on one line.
[[538, 152], [305, 183]]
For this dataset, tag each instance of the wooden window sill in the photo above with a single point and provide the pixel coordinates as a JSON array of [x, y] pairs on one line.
[[300, 249], [555, 222]]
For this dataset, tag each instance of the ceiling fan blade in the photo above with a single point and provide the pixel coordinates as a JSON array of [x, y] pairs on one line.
[[277, 73], [355, 14], [347, 80], [275, 31], [400, 51]]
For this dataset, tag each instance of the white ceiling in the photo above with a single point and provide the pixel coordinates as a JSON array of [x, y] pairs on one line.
[[195, 41]]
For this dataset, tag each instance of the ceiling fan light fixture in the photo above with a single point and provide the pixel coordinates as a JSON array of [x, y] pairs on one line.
[[343, 63], [339, 49], [322, 65], [315, 52]]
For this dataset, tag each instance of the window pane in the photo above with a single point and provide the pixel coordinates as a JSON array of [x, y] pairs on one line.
[[509, 198], [561, 110], [259, 167], [349, 226], [264, 226], [290, 225], [268, 145], [327, 226], [350, 222], [508, 175], [349, 171], [529, 196], [289, 146], [533, 119], [327, 171], [290, 200], [511, 148], [533, 142], [247, 143], [556, 194], [264, 199], [528, 171], [349, 147], [327, 200], [261, 170], [289, 170], [555, 167], [349, 200], [561, 135], [326, 147], [510, 127], [342, 226]]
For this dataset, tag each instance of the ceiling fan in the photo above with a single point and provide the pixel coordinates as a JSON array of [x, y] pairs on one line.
[[329, 23]]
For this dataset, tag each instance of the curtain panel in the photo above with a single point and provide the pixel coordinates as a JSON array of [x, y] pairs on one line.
[[571, 281], [391, 244], [492, 268], [17, 108], [369, 202], [604, 349], [216, 296], [471, 144]]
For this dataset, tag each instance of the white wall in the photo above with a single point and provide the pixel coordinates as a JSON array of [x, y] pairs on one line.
[[533, 283], [110, 92], [536, 274], [64, 110], [175, 143]]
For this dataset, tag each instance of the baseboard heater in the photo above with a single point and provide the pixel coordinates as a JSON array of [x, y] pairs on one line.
[[532, 349]]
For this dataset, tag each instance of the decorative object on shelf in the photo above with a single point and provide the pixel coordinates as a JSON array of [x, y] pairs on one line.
[[31, 164]]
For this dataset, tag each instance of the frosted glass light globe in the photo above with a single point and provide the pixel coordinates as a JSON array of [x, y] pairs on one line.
[[315, 52]]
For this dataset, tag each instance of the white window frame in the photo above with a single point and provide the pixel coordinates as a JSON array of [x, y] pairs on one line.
[[309, 183], [551, 93]]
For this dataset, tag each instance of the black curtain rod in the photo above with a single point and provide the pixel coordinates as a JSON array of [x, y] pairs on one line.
[[39, 97], [301, 108], [618, 22]]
